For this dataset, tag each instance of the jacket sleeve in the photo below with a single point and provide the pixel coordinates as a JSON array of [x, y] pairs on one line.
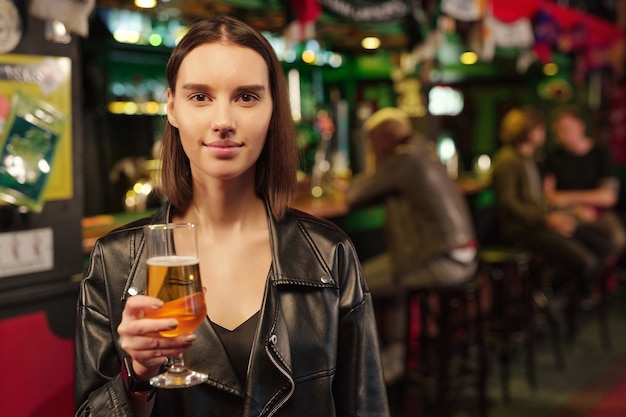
[[372, 188], [509, 185], [359, 387], [99, 389]]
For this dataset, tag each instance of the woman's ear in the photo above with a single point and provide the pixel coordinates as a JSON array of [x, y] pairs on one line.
[[171, 111]]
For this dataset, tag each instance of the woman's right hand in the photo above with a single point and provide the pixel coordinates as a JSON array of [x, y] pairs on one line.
[[140, 340], [561, 223]]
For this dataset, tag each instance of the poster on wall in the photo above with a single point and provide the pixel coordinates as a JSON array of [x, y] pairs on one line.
[[35, 130]]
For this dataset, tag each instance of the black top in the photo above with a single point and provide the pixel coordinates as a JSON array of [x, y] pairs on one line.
[[580, 172], [238, 344]]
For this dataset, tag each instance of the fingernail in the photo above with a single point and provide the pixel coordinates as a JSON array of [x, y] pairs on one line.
[[190, 338], [172, 324], [157, 303]]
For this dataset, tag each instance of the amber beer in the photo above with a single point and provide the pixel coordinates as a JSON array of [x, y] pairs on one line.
[[176, 281]]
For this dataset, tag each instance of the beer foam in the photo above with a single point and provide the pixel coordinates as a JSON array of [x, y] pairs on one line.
[[173, 260]]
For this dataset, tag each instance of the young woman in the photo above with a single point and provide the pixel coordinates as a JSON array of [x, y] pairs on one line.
[[290, 328]]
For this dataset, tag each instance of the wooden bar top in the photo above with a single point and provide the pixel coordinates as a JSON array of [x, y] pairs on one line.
[[322, 206], [99, 225], [330, 206]]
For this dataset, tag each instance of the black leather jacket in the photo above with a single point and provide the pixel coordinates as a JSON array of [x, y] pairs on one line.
[[315, 352]]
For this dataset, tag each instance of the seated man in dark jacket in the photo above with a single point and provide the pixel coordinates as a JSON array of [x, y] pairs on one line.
[[429, 230]]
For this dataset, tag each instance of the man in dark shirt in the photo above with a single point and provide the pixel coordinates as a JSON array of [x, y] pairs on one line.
[[579, 175]]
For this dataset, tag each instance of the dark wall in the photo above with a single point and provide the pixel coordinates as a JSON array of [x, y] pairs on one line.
[[63, 216], [37, 310]]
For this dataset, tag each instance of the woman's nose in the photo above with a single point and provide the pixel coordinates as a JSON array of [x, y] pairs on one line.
[[223, 120]]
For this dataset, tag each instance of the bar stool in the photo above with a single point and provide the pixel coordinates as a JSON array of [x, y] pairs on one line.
[[604, 286], [502, 258], [511, 315], [566, 300], [446, 349], [575, 304]]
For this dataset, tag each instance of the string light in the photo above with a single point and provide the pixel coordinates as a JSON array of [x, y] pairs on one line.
[[370, 42], [146, 4], [468, 58], [550, 69]]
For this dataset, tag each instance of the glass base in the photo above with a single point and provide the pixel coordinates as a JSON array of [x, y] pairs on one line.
[[178, 378]]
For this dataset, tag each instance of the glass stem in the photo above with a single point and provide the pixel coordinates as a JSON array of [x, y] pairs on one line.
[[176, 364]]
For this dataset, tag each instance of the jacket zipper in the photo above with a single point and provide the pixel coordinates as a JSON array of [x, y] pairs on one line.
[[280, 368]]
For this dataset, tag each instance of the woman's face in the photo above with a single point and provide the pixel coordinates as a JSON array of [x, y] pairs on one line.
[[537, 136], [222, 108]]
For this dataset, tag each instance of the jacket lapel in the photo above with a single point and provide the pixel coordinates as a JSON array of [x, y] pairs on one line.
[[270, 379], [296, 259]]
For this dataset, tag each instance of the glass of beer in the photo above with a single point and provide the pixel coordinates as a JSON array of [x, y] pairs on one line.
[[174, 278]]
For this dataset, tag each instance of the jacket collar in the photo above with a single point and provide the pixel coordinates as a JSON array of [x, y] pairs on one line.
[[295, 257]]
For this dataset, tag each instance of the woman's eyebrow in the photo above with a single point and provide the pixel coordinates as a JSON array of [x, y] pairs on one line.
[[194, 86], [251, 88]]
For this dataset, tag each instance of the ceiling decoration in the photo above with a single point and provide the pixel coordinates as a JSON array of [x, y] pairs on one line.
[[340, 25], [332, 31]]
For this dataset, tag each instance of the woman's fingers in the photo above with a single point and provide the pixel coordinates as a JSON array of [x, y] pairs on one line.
[[136, 305], [149, 353], [146, 327], [147, 347], [140, 337], [134, 310]]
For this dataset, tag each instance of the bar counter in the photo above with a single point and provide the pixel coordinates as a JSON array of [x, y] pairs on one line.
[[332, 207], [99, 225], [322, 207]]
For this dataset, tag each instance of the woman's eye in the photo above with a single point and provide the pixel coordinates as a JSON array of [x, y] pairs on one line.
[[199, 97], [247, 98]]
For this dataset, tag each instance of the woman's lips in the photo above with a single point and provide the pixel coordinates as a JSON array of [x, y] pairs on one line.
[[224, 148]]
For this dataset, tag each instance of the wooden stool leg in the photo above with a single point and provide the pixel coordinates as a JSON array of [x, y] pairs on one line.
[[483, 403], [450, 325], [556, 339], [545, 305], [443, 347], [601, 311], [512, 312], [529, 323]]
